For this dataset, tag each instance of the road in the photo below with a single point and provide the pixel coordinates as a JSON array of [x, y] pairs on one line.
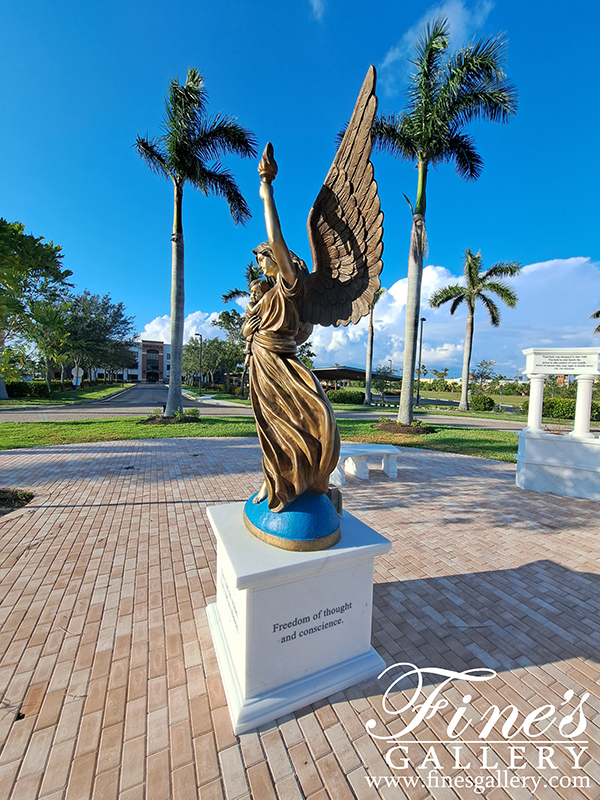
[[143, 398]]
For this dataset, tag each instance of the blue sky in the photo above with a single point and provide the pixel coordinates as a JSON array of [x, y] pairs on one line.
[[81, 80]]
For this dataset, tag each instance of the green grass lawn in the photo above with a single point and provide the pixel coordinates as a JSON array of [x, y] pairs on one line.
[[498, 445], [501, 445], [68, 396]]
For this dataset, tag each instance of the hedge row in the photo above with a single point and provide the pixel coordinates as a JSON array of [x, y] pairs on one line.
[[39, 388], [27, 388], [346, 396], [561, 408]]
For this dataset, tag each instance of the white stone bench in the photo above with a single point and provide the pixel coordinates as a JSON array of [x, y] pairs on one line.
[[353, 460]]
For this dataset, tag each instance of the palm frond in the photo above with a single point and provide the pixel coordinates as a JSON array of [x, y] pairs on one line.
[[222, 135], [220, 181], [453, 292], [505, 292], [492, 309], [430, 50], [502, 269], [496, 103], [152, 155], [458, 302], [234, 294], [472, 268], [482, 60], [391, 134], [474, 85], [595, 315], [460, 147], [252, 273]]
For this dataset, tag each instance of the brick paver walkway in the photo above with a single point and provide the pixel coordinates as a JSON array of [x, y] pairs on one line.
[[108, 677]]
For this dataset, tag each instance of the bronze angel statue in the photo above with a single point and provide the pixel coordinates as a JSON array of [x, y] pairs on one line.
[[296, 426]]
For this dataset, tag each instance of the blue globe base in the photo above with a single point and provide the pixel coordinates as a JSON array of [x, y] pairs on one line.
[[310, 522]]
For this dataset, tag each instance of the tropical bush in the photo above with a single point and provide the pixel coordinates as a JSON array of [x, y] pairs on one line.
[[346, 396], [482, 402]]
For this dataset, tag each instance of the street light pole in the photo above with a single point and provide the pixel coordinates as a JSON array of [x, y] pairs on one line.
[[199, 336], [419, 372]]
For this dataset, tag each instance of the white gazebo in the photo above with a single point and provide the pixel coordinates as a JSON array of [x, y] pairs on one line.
[[568, 463]]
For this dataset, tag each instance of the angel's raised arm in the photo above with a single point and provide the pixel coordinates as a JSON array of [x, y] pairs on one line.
[[267, 169]]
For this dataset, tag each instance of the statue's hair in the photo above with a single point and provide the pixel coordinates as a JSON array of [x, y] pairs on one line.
[[264, 249]]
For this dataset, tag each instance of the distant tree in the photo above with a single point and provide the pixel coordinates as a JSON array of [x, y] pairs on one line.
[[370, 341], [484, 372], [49, 333], [232, 351], [188, 152], [446, 94], [231, 322], [97, 331], [190, 362], [211, 355], [477, 284], [30, 272], [306, 354], [383, 377]]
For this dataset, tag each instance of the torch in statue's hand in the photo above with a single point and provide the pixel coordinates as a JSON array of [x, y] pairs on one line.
[[267, 168]]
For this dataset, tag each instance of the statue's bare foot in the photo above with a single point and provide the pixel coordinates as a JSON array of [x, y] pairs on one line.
[[261, 494]]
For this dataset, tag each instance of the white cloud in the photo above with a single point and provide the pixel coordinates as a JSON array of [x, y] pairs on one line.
[[463, 22], [159, 329], [556, 299], [318, 8]]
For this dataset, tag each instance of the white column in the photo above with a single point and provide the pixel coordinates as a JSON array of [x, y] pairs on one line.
[[536, 399], [583, 407]]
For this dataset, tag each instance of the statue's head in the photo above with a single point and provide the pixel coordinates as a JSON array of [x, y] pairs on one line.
[[268, 263]]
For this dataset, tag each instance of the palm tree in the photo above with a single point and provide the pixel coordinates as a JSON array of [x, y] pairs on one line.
[[369, 370], [596, 315], [446, 94], [252, 273], [188, 151], [469, 294]]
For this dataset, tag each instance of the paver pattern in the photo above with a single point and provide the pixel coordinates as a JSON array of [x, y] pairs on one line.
[[109, 684]]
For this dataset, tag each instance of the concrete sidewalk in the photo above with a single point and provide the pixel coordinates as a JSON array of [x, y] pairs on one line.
[[108, 677]]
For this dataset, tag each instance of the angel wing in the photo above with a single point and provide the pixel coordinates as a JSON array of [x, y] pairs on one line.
[[345, 226]]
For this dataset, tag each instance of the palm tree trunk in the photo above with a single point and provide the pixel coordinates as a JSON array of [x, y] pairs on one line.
[[418, 243], [243, 381], [369, 370], [62, 377], [464, 401], [174, 398], [3, 392]]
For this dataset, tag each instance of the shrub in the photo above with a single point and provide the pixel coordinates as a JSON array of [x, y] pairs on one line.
[[561, 408], [346, 396], [482, 402]]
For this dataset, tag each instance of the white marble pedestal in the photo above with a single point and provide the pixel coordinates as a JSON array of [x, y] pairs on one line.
[[290, 628], [559, 464]]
